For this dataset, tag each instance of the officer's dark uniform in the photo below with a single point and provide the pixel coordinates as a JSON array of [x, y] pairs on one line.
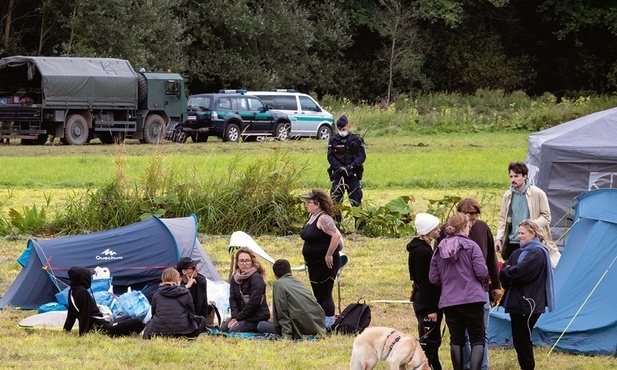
[[346, 156]]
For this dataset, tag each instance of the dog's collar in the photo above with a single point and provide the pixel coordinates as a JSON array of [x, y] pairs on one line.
[[413, 353]]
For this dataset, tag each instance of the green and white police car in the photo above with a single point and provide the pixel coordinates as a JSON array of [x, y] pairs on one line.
[[230, 115], [308, 118]]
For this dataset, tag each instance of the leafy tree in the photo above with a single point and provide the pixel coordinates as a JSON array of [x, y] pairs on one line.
[[146, 32], [396, 22]]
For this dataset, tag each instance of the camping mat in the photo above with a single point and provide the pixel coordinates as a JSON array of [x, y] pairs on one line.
[[48, 320], [258, 336]]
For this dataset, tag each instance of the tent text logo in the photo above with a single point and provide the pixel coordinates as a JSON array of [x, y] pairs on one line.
[[108, 254]]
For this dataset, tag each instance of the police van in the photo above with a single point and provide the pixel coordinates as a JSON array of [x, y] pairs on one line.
[[308, 118]]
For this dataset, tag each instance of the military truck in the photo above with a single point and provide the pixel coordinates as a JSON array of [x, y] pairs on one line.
[[79, 99]]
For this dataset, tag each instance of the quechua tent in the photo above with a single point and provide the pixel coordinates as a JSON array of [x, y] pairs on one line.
[[135, 255]]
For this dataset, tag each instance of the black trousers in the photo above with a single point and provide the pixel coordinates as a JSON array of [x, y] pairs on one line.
[[468, 316], [430, 344], [522, 324], [323, 294]]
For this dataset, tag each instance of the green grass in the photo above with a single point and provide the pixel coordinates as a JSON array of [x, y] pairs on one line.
[[472, 164], [377, 270]]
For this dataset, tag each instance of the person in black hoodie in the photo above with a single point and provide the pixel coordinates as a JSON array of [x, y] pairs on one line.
[[247, 294], [82, 307], [425, 296], [173, 313], [195, 283]]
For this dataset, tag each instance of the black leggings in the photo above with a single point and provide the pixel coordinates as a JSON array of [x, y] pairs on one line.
[[323, 294]]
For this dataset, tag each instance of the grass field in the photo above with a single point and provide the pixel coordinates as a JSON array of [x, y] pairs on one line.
[[465, 165]]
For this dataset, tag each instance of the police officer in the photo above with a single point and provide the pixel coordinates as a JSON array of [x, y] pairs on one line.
[[346, 155]]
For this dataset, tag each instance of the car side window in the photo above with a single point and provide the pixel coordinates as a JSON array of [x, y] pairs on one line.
[[286, 102], [255, 104], [224, 103], [308, 104], [240, 104]]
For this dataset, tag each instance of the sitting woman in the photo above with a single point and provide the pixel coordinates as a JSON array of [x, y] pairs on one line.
[[247, 294], [173, 312], [82, 307]]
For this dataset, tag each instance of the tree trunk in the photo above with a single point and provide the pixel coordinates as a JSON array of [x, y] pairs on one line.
[[7, 26]]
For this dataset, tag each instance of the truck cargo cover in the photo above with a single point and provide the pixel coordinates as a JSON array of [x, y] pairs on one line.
[[67, 78]]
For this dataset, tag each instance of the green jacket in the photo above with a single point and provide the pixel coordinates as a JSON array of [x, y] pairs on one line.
[[295, 312]]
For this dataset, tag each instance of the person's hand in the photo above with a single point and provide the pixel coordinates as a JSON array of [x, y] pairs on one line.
[[343, 170], [496, 294], [232, 323], [498, 245], [329, 261], [190, 281], [431, 317]]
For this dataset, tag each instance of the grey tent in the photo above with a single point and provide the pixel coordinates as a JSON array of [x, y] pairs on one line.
[[572, 158]]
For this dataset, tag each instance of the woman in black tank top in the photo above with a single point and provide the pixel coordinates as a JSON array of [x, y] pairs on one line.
[[321, 246]]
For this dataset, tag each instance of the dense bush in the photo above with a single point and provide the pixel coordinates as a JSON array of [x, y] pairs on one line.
[[259, 199]]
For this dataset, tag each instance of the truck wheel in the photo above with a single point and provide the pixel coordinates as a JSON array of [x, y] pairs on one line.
[[324, 133], [75, 130], [154, 129], [282, 131], [232, 133], [180, 136]]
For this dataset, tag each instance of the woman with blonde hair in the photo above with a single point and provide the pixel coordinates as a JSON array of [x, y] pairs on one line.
[[527, 277], [458, 266], [173, 312], [247, 294]]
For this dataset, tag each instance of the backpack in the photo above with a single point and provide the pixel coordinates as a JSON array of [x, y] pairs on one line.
[[354, 319]]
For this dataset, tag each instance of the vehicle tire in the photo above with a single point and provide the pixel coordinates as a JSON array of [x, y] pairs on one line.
[[75, 130], [324, 133], [180, 137], [142, 88], [40, 140], [154, 129], [197, 138], [281, 132], [232, 133]]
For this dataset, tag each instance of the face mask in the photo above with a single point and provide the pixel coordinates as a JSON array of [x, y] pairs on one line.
[[343, 133]]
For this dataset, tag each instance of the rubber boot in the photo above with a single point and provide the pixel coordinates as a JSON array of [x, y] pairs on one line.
[[476, 358], [456, 353]]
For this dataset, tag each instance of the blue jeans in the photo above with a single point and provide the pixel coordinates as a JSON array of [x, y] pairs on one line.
[[467, 349]]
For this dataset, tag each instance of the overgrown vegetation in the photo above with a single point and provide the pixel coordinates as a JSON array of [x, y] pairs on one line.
[[259, 198], [486, 110]]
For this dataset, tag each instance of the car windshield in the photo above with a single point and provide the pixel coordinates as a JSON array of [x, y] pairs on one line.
[[199, 101]]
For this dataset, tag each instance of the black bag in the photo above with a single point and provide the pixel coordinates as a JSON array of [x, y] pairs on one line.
[[354, 319]]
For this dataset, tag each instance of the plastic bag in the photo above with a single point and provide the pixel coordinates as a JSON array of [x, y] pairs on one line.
[[133, 304], [218, 292], [98, 285]]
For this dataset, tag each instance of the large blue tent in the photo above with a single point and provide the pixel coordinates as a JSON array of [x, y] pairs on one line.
[[135, 255], [584, 320]]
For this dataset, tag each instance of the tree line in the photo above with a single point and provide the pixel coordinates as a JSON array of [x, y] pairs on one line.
[[364, 50]]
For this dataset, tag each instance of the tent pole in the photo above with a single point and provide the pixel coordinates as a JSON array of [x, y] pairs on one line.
[[582, 305]]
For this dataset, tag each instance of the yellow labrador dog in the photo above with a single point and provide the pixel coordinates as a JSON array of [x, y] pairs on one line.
[[401, 351]]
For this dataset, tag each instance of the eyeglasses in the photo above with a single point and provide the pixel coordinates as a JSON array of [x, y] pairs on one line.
[[244, 261], [472, 213]]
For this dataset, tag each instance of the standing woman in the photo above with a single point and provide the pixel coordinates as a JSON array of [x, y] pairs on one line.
[[527, 277], [425, 296], [458, 266], [247, 294], [321, 246]]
